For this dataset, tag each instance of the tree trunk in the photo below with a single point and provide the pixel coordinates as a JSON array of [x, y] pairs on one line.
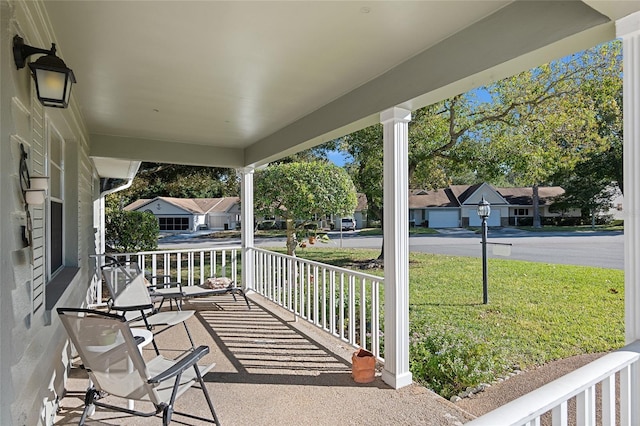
[[292, 240], [536, 207]]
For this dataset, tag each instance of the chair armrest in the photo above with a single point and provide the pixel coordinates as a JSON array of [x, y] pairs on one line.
[[132, 308], [151, 277], [171, 284], [182, 365]]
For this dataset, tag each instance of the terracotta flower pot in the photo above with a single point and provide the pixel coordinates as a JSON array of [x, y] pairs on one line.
[[312, 240], [363, 367]]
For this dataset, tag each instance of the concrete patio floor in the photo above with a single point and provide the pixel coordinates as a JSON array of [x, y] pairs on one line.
[[272, 370]]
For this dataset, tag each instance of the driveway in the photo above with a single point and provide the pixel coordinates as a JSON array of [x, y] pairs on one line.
[[600, 249]]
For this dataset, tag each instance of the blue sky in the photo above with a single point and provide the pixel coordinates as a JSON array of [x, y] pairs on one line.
[[338, 157]]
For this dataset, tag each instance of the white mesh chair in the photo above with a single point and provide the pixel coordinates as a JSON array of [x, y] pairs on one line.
[[130, 296], [116, 367]]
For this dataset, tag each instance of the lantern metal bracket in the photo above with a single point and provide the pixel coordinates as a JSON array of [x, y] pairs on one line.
[[22, 51]]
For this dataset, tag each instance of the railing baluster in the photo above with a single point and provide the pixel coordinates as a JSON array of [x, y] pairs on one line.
[[214, 267], [559, 415], [625, 396], [586, 407], [375, 318], [203, 266], [363, 313], [179, 267], [309, 283], [332, 305], [341, 322], [609, 401], [223, 263], [234, 269], [351, 314], [290, 278], [166, 259], [316, 278], [154, 268]]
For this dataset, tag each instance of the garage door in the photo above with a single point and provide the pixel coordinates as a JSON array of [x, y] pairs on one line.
[[492, 220], [444, 219]]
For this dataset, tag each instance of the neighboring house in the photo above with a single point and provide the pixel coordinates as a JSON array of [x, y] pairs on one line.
[[191, 214], [615, 206], [456, 206]]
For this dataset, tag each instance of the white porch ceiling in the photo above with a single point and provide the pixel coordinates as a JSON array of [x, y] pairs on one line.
[[239, 83]]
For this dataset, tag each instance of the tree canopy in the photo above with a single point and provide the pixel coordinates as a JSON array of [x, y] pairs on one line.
[[298, 191], [523, 130]]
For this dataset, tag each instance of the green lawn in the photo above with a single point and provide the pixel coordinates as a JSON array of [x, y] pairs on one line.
[[537, 312]]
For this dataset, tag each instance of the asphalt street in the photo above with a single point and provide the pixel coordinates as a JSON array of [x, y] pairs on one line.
[[600, 249]]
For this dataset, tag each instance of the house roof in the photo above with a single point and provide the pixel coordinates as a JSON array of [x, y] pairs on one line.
[[192, 205], [456, 195], [524, 196], [463, 192], [224, 83], [438, 198]]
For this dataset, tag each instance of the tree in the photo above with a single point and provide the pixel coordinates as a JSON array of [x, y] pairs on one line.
[[523, 129], [553, 124], [587, 188], [130, 232], [298, 191]]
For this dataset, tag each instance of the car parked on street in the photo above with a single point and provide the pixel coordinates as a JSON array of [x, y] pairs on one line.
[[348, 224]]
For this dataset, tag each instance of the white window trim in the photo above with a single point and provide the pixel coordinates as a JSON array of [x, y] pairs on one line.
[[50, 130]]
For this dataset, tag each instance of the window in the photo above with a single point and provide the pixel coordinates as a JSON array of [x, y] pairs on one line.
[[173, 223], [522, 212], [55, 213]]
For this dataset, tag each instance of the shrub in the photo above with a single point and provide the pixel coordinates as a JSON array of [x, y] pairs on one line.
[[128, 232], [448, 362]]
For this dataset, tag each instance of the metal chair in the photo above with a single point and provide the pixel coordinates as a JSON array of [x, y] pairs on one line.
[[111, 357], [131, 297], [211, 287]]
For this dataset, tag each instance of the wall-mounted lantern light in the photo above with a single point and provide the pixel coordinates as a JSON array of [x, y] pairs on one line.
[[53, 78], [33, 189]]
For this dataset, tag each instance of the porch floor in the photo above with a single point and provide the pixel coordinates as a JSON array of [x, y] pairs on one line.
[[272, 370]]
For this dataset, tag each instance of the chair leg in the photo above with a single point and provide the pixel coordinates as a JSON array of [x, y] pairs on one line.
[[166, 415], [206, 396], [89, 407], [193, 346], [245, 298]]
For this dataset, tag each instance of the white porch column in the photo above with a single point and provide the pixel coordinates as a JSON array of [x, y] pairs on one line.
[[396, 247], [246, 204], [628, 29]]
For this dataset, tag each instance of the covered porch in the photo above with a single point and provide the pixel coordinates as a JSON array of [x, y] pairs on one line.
[[273, 369], [238, 85]]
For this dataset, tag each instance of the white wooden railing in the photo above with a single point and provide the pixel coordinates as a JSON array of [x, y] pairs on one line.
[[186, 266], [622, 365], [342, 302]]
